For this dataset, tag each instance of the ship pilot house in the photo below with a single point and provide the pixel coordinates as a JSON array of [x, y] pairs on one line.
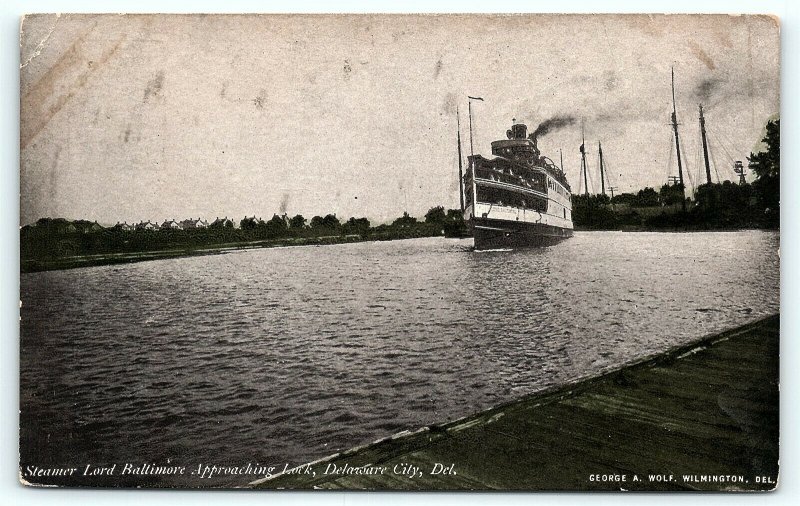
[[516, 158]]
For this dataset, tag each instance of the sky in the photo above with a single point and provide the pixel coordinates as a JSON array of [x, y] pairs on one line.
[[136, 117]]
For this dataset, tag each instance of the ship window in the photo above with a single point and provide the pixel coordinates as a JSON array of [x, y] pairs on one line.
[[537, 181], [500, 196]]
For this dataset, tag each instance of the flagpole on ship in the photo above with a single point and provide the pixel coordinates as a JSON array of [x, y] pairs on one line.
[[471, 147], [460, 166], [472, 153]]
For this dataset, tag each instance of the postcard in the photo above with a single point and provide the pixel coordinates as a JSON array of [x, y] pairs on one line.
[[400, 252]]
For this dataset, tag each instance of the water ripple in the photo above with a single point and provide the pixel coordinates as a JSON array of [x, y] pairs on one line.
[[287, 355]]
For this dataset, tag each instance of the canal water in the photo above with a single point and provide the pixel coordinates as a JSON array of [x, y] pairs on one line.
[[281, 356]]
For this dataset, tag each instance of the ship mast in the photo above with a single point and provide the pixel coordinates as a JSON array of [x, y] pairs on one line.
[[583, 163], [705, 145], [460, 166], [678, 143], [602, 174]]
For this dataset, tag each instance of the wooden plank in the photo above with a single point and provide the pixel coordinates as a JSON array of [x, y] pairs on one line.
[[708, 409]]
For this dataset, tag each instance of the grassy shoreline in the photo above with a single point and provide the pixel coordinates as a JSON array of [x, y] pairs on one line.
[[78, 261], [30, 265]]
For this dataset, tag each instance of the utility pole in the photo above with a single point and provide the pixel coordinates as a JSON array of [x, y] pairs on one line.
[[678, 144], [612, 189], [705, 145], [602, 172], [738, 167]]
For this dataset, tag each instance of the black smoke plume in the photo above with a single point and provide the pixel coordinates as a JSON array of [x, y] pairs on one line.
[[706, 88], [284, 203], [551, 124]]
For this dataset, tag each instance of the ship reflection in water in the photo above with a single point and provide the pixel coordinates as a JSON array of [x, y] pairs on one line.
[[285, 355]]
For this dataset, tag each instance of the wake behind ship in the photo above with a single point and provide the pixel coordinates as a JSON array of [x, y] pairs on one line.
[[518, 198]]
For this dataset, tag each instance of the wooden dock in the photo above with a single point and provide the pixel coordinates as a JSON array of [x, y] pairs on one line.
[[699, 417]]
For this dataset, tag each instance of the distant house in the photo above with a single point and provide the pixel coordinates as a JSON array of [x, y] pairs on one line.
[[222, 223], [146, 225], [171, 225], [85, 226], [249, 223], [124, 226], [192, 223]]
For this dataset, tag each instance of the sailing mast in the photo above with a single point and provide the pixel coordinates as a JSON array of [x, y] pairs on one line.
[[678, 144], [460, 166], [583, 163], [602, 174], [705, 145]]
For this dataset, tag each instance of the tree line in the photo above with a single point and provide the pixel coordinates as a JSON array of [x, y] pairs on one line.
[[58, 237], [725, 205]]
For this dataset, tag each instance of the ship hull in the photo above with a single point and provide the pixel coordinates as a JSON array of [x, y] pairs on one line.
[[500, 234]]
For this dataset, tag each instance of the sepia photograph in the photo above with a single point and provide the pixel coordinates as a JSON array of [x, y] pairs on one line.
[[414, 252]]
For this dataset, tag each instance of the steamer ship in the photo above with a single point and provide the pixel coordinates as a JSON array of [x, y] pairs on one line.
[[518, 198]]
